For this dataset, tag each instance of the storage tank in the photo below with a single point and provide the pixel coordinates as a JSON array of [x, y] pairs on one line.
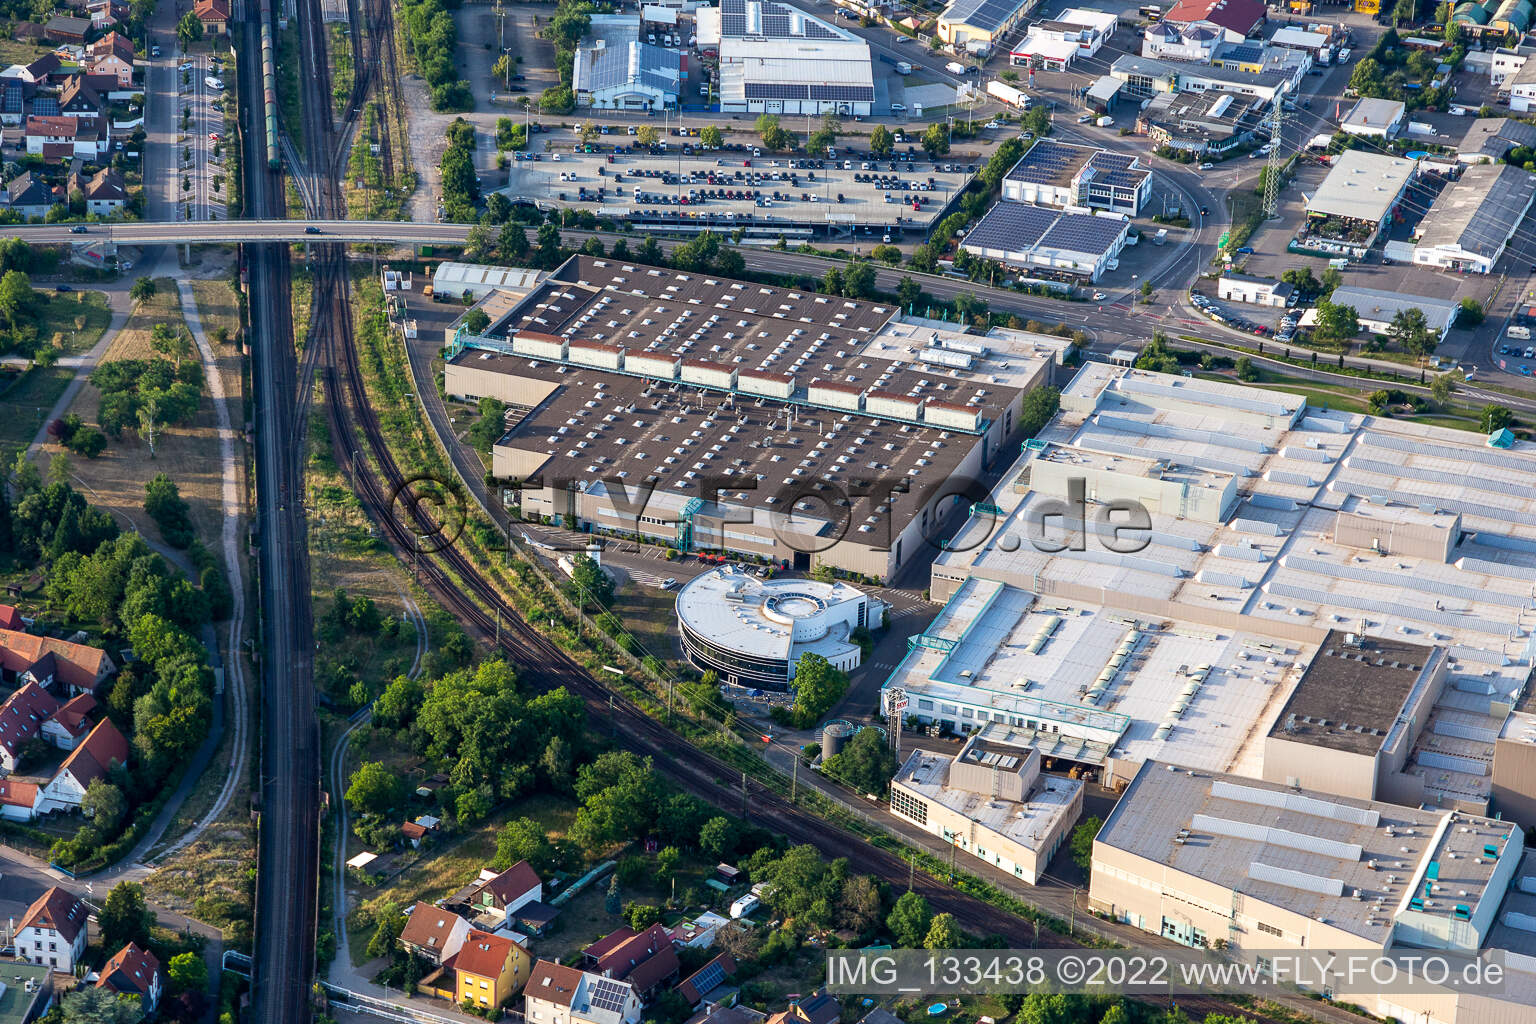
[[834, 737]]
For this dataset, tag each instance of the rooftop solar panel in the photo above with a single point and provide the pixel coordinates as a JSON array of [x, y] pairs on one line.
[[843, 93], [609, 995], [710, 976], [1012, 227], [983, 14], [1083, 233], [775, 91]]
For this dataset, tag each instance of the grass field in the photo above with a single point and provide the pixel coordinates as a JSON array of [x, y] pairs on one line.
[[74, 321], [15, 51], [1347, 398], [189, 454], [27, 403]]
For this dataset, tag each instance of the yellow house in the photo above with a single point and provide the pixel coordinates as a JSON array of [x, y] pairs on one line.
[[489, 969]]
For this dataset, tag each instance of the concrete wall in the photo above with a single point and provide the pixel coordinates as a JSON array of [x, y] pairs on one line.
[[1004, 853], [1294, 762], [1514, 780], [1395, 537]]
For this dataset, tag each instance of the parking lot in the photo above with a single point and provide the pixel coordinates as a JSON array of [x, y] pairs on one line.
[[904, 191], [201, 138]]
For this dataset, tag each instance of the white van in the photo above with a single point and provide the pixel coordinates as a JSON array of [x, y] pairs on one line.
[[213, 83], [1516, 331]]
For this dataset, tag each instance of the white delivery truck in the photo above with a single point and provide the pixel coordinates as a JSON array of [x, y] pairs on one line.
[[1008, 94], [1338, 263], [1160, 237], [903, 68], [1516, 331], [1105, 122], [954, 67]]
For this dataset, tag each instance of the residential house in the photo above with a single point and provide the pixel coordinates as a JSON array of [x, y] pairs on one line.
[[53, 931], [488, 969], [101, 750], [105, 193], [44, 671], [697, 986], [214, 14], [10, 618], [647, 961], [605, 945], [77, 99], [71, 723], [107, 12], [41, 70], [556, 994], [1236, 19], [720, 1013], [13, 103], [81, 669], [112, 54], [501, 895], [21, 721], [818, 1009], [62, 29], [19, 799], [433, 933], [133, 971]]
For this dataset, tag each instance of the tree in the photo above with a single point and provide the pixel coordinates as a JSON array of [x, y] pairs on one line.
[[1001, 163], [125, 917], [375, 789], [523, 840], [859, 905], [587, 132], [558, 99], [143, 289], [92, 1005], [887, 254], [590, 583], [17, 297], [189, 29], [908, 292], [710, 137], [881, 142], [1082, 842], [943, 933], [188, 972], [502, 69], [512, 243], [866, 763], [165, 505], [550, 254], [1336, 322], [1037, 408], [910, 920], [935, 141], [390, 923], [1245, 370], [480, 241], [859, 280], [818, 686], [1494, 417], [647, 135], [718, 837], [1441, 386], [1469, 312], [1301, 279], [476, 321], [173, 343], [104, 805], [1411, 332]]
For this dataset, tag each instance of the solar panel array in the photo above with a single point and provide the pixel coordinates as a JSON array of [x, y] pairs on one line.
[[1048, 163], [843, 93], [609, 995], [733, 17], [776, 91], [816, 30], [1012, 227], [776, 26], [1079, 232], [710, 976], [984, 14]]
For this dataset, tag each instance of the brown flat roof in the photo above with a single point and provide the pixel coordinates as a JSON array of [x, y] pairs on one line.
[[1351, 694]]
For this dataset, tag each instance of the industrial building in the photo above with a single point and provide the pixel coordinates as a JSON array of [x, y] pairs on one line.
[[1521, 87], [1474, 218], [1375, 309], [990, 800], [1076, 177], [1196, 44], [1148, 76], [1053, 45], [1257, 291], [1270, 866], [754, 631], [1490, 139], [615, 69], [1044, 241], [1204, 123], [1373, 118], [474, 281], [720, 415], [777, 59], [1270, 525], [978, 25], [1355, 201], [1312, 43]]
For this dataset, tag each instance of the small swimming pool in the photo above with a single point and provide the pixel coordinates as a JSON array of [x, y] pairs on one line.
[[938, 1009]]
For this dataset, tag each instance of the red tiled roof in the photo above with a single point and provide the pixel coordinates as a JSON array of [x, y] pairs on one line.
[[1234, 15], [79, 665], [54, 127], [114, 43], [429, 927], [96, 754], [58, 910], [18, 794], [131, 971], [10, 618], [517, 880], [642, 960], [608, 943], [211, 9], [74, 716], [484, 955], [553, 983], [22, 716]]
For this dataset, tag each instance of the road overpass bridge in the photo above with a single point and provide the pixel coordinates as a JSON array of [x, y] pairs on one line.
[[226, 231]]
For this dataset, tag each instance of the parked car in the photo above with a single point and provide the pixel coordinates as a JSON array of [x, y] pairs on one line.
[[79, 229]]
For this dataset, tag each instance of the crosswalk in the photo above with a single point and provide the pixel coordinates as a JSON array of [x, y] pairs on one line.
[[646, 579]]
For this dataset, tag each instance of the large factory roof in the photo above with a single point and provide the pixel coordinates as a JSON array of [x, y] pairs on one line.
[[1273, 565], [1306, 852], [1361, 186]]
